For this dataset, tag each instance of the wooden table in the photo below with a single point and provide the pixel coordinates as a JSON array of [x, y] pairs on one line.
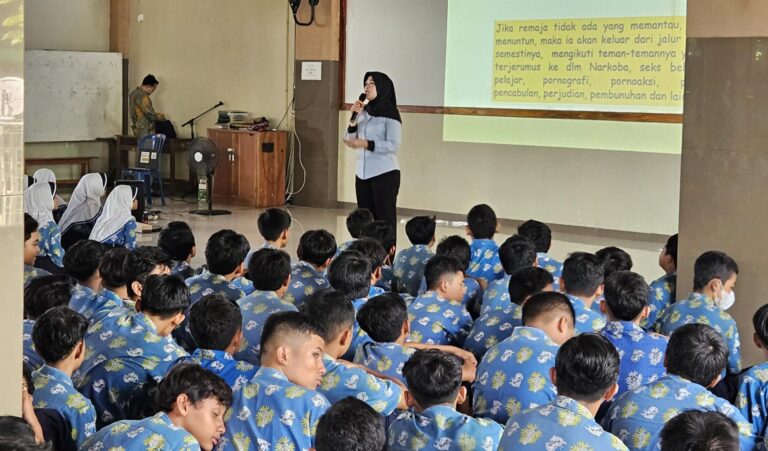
[[83, 162], [119, 149]]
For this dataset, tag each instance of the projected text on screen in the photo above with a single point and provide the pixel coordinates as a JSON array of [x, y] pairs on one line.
[[628, 61]]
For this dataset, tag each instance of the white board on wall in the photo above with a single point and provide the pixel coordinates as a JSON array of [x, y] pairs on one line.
[[404, 39], [72, 96]]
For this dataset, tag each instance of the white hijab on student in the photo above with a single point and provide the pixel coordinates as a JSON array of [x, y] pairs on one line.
[[45, 175], [116, 213], [38, 202], [85, 203]]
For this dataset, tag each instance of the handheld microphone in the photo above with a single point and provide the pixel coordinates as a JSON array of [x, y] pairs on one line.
[[354, 114]]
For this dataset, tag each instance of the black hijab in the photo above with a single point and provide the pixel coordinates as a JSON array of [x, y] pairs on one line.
[[385, 103]]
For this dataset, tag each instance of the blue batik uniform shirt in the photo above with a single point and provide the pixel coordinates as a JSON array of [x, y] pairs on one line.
[[496, 296], [50, 243], [235, 373], [54, 390], [436, 320], [587, 320], [552, 266], [514, 375], [659, 298], [156, 433], [305, 281], [96, 307], [182, 269], [409, 266], [641, 353], [491, 328], [699, 309], [30, 272], [484, 263], [639, 415], [441, 427], [31, 358], [125, 237], [473, 295], [272, 413], [562, 424], [752, 398], [340, 382], [256, 308], [123, 350], [386, 358]]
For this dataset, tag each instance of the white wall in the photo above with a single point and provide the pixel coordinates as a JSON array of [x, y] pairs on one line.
[[78, 25]]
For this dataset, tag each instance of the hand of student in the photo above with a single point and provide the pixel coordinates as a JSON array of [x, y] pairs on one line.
[[357, 107], [356, 143], [466, 356], [28, 414]]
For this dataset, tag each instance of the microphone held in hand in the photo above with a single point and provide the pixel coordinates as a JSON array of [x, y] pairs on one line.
[[354, 114]]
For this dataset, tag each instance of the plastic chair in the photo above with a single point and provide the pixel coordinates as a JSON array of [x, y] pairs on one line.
[[147, 169]]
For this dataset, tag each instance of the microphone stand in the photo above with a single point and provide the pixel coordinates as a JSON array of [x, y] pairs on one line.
[[191, 122]]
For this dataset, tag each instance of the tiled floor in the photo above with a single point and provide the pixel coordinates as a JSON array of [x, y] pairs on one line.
[[644, 253]]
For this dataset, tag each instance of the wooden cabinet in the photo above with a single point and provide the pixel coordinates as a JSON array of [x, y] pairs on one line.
[[251, 169]]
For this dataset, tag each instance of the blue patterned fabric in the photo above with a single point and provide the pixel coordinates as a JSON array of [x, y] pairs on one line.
[[473, 296], [54, 390], [123, 351], [340, 382], [563, 424], [31, 358], [244, 284], [514, 375], [436, 320], [50, 243], [409, 266], [699, 309], [30, 272], [659, 298], [484, 263], [752, 397], [125, 237], [95, 307], [256, 308], [496, 296], [386, 358], [492, 328], [641, 353], [638, 416], [442, 428], [554, 267], [182, 269], [305, 281], [236, 373], [155, 433], [271, 413], [587, 320]]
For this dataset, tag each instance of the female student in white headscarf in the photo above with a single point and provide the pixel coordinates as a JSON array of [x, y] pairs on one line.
[[45, 175], [116, 225], [83, 209], [39, 203]]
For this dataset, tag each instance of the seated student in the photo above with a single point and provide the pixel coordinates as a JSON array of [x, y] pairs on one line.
[[31, 250], [178, 241], [494, 326], [482, 225], [437, 316], [41, 295], [541, 235], [696, 355], [410, 262], [516, 253], [613, 259], [434, 390], [582, 281], [143, 262], [351, 425], [270, 270], [664, 289], [39, 204], [48, 425], [315, 251], [45, 175], [714, 277], [216, 324], [125, 349], [192, 402], [337, 316], [350, 273], [751, 399], [82, 262], [224, 255], [83, 209], [116, 225], [279, 406], [513, 375], [356, 220], [694, 430], [114, 279], [642, 353], [383, 232], [457, 247], [585, 374], [274, 226], [385, 319], [58, 336], [373, 251]]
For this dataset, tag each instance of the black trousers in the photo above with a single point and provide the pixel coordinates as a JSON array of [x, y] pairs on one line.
[[379, 195]]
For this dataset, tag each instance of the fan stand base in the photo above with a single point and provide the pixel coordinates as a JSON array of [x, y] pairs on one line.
[[210, 212]]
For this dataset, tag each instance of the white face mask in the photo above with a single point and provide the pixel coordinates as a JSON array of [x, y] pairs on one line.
[[727, 299]]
